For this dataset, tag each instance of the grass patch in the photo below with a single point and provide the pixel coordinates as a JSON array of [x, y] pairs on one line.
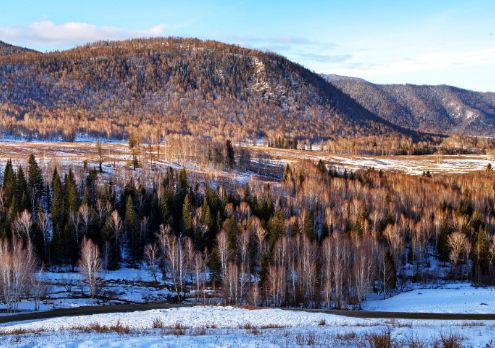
[[380, 339], [450, 340], [118, 328]]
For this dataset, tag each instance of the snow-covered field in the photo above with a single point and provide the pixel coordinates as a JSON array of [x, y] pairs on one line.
[[235, 327], [217, 326], [415, 165], [126, 285], [117, 155], [454, 298]]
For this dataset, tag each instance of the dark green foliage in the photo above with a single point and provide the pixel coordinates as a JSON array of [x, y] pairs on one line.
[[71, 194], [321, 167], [35, 182], [442, 248], [187, 216], [231, 227], [230, 154], [20, 191], [133, 230], [8, 182], [110, 245], [276, 227], [308, 226]]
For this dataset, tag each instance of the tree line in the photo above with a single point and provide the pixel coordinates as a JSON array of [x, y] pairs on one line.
[[318, 238]]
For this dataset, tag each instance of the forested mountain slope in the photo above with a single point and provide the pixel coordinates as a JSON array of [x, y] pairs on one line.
[[442, 109], [7, 49], [184, 86]]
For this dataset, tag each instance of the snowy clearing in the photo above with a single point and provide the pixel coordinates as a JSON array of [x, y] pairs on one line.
[[117, 156], [126, 285], [410, 164], [454, 298], [230, 326]]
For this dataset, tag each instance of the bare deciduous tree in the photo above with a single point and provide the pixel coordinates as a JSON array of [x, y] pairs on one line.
[[43, 226], [459, 245], [90, 265], [85, 216], [22, 225], [173, 254], [152, 257], [17, 266]]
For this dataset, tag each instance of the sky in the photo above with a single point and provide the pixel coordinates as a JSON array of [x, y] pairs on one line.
[[383, 41]]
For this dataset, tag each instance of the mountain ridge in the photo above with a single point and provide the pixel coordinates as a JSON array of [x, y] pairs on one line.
[[187, 86], [8, 49], [431, 108]]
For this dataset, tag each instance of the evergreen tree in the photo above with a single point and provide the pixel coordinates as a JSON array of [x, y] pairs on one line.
[[166, 205], [295, 228], [308, 225], [132, 227], [230, 154], [187, 216], [9, 182], [183, 182], [480, 255], [109, 246], [21, 194], [58, 217], [71, 195], [35, 182], [276, 227], [231, 227], [209, 223]]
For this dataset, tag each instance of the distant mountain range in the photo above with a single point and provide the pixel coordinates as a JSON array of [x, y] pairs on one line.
[[212, 89], [442, 109]]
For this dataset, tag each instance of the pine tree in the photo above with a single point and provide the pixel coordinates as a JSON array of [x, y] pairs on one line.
[[480, 255], [35, 183], [187, 216], [183, 182], [71, 196], [166, 205], [276, 227], [9, 182], [231, 227], [230, 154], [132, 227], [209, 223], [109, 247], [21, 194], [58, 215]]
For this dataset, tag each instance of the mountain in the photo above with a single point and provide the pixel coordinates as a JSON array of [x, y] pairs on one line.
[[175, 85], [7, 49], [441, 109]]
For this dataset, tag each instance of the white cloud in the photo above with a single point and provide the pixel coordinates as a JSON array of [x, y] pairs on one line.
[[428, 61], [47, 33]]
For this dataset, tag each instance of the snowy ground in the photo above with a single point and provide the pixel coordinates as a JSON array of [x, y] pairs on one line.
[[117, 156], [235, 327], [415, 165], [454, 298], [126, 285]]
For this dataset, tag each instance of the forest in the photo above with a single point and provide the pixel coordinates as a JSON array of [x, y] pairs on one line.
[[319, 237], [175, 86]]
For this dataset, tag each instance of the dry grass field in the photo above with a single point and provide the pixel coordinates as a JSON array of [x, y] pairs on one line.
[[118, 155]]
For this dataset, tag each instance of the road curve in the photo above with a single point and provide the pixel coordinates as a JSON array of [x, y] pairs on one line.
[[116, 308]]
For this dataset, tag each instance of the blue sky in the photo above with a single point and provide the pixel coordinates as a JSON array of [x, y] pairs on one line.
[[384, 41]]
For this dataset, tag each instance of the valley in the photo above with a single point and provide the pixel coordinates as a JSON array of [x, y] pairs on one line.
[[211, 174]]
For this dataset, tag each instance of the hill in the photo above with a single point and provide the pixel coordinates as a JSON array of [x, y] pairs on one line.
[[7, 49], [442, 109], [173, 85]]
